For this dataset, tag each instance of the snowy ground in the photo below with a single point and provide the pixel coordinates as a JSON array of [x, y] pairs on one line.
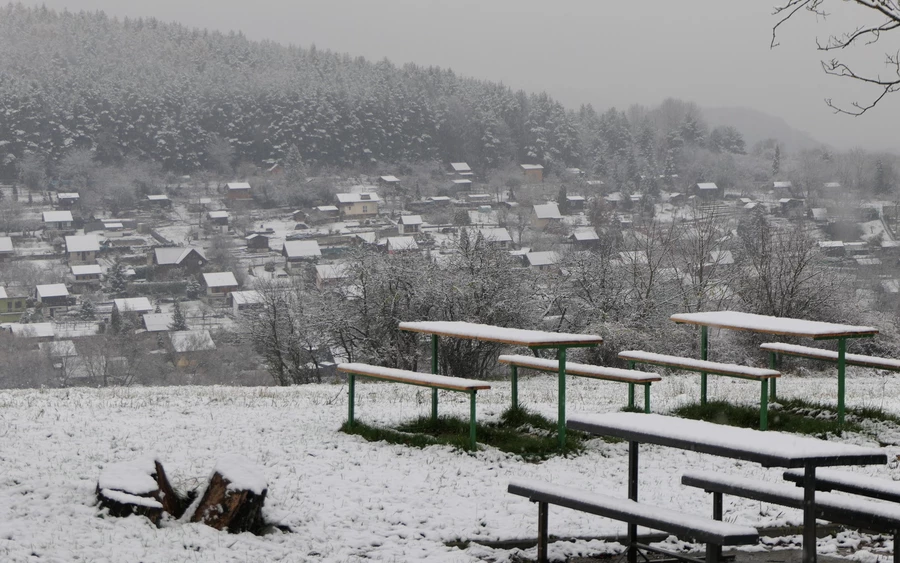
[[345, 499]]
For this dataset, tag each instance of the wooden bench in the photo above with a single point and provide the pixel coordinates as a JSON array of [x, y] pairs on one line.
[[863, 485], [433, 381], [848, 510], [715, 368], [776, 348], [630, 376], [713, 533]]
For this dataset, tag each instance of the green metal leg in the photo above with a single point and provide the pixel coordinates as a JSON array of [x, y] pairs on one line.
[[647, 398], [561, 420], [352, 399], [704, 348], [472, 419], [434, 398], [842, 368], [631, 395], [764, 405], [773, 385], [434, 369], [514, 378]]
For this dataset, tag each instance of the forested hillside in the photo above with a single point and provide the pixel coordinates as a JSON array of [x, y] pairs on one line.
[[190, 98]]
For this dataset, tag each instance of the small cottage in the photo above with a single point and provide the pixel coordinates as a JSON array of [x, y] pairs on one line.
[[545, 215], [82, 249], [533, 172], [219, 284], [358, 204], [409, 224], [53, 298], [57, 220]]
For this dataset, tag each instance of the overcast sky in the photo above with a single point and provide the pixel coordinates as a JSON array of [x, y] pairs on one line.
[[598, 51]]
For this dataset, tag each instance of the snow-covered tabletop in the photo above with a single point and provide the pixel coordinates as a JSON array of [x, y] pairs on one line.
[[773, 325], [521, 337], [771, 449]]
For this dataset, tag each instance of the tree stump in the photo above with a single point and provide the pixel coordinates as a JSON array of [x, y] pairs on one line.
[[234, 497], [138, 487]]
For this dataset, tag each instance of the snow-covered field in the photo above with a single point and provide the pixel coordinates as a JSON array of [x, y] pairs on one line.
[[346, 499]]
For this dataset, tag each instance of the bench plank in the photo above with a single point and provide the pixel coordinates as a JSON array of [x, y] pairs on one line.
[[414, 377], [832, 356], [584, 370], [625, 510], [856, 483], [692, 364]]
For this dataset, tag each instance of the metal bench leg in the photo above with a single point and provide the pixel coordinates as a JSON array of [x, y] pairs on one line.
[[704, 352], [543, 535], [809, 514], [842, 369], [434, 369], [561, 416], [631, 395], [632, 495], [352, 399], [713, 553], [472, 419], [434, 398], [514, 378], [764, 405], [773, 390], [647, 398], [896, 547]]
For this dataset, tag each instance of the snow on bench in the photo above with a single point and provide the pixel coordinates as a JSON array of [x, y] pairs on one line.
[[691, 364], [712, 532], [629, 376], [843, 509], [832, 356], [856, 483], [470, 386]]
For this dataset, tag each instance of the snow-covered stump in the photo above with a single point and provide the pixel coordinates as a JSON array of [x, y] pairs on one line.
[[234, 497], [137, 487]]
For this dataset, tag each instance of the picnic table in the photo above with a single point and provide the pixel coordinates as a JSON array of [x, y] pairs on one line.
[[769, 449], [534, 339], [782, 326]]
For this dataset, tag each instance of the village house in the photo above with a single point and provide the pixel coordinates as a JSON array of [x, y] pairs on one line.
[[389, 181], [6, 248], [53, 298], [219, 284], [708, 190], [158, 322], [791, 207], [238, 191], [545, 215], [782, 189], [218, 219], [585, 238], [363, 204], [159, 201], [67, 200], [86, 274], [257, 241], [168, 258], [82, 249], [396, 245], [37, 332], [497, 237], [134, 306], [12, 304], [330, 274], [533, 172], [545, 260], [409, 224], [461, 169], [576, 202], [187, 346], [243, 301], [460, 186], [57, 220], [298, 252]]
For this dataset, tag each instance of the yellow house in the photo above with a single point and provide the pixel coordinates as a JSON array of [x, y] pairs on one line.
[[11, 306], [533, 172], [361, 204]]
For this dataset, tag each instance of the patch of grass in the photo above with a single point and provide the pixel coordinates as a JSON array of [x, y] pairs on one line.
[[797, 416], [519, 431]]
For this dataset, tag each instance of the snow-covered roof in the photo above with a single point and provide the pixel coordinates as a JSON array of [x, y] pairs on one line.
[[547, 211], [707, 186], [158, 322], [59, 348], [32, 330], [3, 294], [238, 186], [868, 261], [328, 208], [494, 234], [191, 341], [301, 248], [890, 286], [174, 255], [440, 198], [358, 197], [6, 244], [774, 325], [67, 195], [247, 297], [82, 243], [411, 219], [113, 225], [368, 237], [133, 304], [86, 269], [721, 257], [390, 179], [819, 212], [57, 216], [218, 215], [832, 185], [220, 279], [615, 196], [402, 243], [544, 258], [52, 290], [462, 182], [531, 167], [781, 185], [158, 197], [332, 271], [831, 244], [585, 233], [460, 167], [890, 244], [575, 198]]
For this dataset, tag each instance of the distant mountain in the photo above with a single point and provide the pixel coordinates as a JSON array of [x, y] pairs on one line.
[[757, 126]]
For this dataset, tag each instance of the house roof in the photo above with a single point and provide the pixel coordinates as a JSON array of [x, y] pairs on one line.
[[831, 244], [546, 258], [112, 225], [237, 186], [32, 330], [3, 294], [531, 167], [52, 290], [133, 305], [832, 185], [332, 271], [547, 211], [462, 182], [217, 215], [402, 243], [57, 216], [358, 197], [585, 233], [191, 341], [707, 186], [86, 269], [158, 197], [158, 322], [59, 349], [328, 208], [494, 234], [440, 198], [247, 297], [368, 237], [174, 255], [390, 179], [721, 257], [411, 219], [82, 243], [575, 198], [781, 185], [67, 195], [301, 248], [6, 244], [220, 279], [460, 167]]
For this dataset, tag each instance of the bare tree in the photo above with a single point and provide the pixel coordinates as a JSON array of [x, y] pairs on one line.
[[886, 16]]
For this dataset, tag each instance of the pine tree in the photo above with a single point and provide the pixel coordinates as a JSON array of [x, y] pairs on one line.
[[116, 283], [194, 289], [562, 201], [178, 320], [776, 161], [88, 311], [115, 322]]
